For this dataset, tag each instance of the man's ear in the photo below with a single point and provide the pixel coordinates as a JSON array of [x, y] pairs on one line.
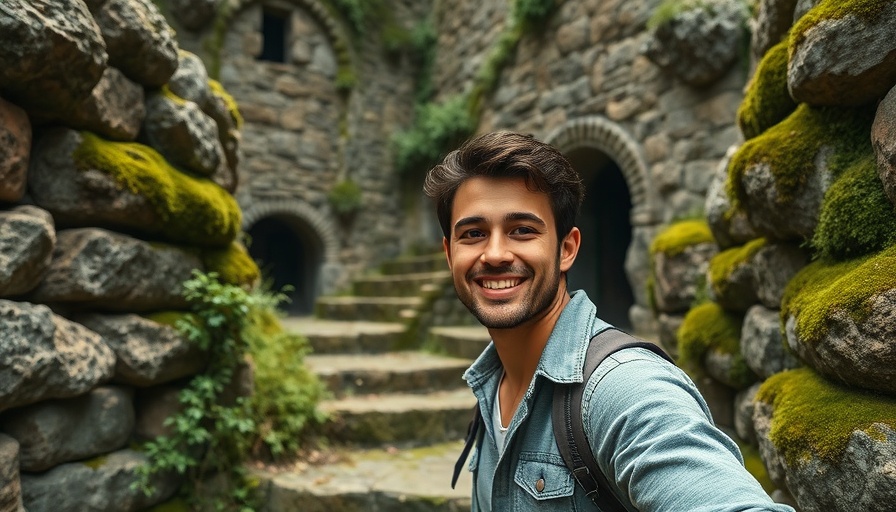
[[569, 248], [447, 247]]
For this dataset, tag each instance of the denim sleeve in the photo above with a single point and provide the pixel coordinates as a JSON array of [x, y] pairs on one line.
[[652, 433]]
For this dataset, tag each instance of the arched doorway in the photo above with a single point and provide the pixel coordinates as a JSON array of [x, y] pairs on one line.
[[605, 222], [290, 255]]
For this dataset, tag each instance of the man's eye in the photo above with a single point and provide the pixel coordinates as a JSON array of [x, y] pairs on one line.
[[523, 230], [472, 233]]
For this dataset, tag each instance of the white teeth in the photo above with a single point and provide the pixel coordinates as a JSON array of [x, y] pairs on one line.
[[500, 285]]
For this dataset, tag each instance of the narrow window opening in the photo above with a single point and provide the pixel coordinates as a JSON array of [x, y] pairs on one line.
[[274, 36]]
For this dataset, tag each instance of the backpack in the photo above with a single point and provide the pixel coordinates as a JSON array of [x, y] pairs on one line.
[[566, 416]]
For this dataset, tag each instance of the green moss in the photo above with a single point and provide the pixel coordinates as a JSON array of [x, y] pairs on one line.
[[722, 264], [790, 148], [174, 505], [835, 9], [815, 417], [232, 107], [670, 9], [96, 462], [767, 100], [168, 93], [437, 126], [232, 264], [856, 216], [170, 318], [677, 237], [707, 327], [822, 287], [345, 197], [189, 210]]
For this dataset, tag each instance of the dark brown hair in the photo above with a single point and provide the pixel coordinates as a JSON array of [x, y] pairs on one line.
[[508, 155]]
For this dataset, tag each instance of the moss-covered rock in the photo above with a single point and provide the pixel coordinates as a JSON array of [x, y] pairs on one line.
[[187, 209], [780, 176], [731, 276], [767, 100], [835, 9], [232, 264], [709, 330], [856, 217], [232, 107], [678, 258], [823, 287], [815, 417]]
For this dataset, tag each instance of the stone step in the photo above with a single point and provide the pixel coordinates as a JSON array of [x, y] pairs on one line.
[[460, 341], [394, 372], [371, 309], [433, 262], [381, 480], [334, 336], [400, 285], [407, 419]]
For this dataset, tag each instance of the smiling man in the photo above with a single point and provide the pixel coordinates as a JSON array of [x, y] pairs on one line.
[[507, 205]]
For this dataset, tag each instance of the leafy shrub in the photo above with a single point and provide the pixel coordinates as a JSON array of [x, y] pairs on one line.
[[345, 197]]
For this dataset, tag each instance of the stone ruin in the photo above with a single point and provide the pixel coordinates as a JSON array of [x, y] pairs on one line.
[[781, 299], [118, 167]]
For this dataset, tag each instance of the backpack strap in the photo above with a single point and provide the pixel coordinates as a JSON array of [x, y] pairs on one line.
[[569, 429], [472, 431]]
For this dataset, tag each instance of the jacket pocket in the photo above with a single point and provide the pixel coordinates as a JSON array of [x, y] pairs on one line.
[[543, 476]]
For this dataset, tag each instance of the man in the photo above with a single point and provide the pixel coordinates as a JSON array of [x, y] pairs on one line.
[[507, 206]]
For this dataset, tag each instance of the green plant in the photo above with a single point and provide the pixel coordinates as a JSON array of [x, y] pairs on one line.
[[437, 126], [213, 434], [532, 11], [345, 197]]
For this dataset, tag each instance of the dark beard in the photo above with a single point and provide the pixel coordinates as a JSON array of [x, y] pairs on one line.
[[537, 303]]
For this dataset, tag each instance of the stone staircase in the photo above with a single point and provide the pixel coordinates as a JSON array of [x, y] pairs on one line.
[[400, 409]]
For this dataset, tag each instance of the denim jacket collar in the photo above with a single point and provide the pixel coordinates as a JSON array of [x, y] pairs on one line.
[[563, 355]]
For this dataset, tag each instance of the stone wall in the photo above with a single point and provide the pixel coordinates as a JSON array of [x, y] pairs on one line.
[[119, 162]]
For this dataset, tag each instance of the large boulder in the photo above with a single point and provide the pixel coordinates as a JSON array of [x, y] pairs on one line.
[[832, 447], [46, 356], [883, 138], [772, 21], [780, 177], [729, 227], [99, 484], [139, 40], [679, 256], [56, 431], [84, 180], [51, 54], [843, 53], [839, 320], [699, 44], [27, 240], [99, 269], [762, 343], [147, 352], [774, 265], [731, 276], [114, 109]]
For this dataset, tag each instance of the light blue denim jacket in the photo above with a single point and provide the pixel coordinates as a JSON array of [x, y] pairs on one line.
[[650, 430]]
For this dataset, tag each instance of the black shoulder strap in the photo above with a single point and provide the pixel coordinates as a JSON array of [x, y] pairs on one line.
[[472, 431], [569, 430]]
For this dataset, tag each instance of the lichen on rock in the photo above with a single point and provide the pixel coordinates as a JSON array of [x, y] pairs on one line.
[[767, 100], [710, 329]]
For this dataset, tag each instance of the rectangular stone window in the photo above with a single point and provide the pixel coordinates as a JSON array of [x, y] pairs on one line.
[[274, 33]]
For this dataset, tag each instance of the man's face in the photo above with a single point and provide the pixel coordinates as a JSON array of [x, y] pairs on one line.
[[504, 253]]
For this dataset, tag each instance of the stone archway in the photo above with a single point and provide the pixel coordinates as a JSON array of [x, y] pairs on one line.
[[613, 262], [296, 246]]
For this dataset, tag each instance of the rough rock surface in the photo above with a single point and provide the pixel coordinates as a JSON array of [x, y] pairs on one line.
[[27, 240], [46, 356], [56, 431], [762, 343], [728, 230], [114, 109], [10, 485], [183, 134], [773, 266], [773, 20], [102, 269], [679, 276], [15, 149], [883, 138]]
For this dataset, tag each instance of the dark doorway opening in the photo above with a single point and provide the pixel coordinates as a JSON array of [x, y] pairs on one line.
[[605, 222], [289, 254], [274, 31]]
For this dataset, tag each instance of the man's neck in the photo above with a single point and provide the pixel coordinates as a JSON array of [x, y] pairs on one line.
[[520, 348]]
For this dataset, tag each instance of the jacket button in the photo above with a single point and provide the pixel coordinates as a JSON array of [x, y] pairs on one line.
[[539, 485]]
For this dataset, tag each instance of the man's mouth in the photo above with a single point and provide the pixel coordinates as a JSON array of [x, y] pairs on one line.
[[500, 284]]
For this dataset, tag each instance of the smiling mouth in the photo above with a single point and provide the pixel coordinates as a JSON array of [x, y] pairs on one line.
[[500, 284]]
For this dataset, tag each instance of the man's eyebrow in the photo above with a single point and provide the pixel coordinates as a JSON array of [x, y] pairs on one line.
[[518, 216], [466, 221]]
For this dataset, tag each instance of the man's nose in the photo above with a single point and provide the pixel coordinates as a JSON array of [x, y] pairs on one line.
[[496, 252]]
